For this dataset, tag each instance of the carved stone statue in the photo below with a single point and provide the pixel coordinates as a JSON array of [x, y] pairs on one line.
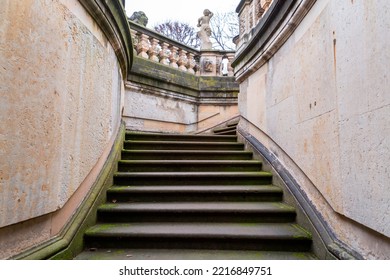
[[205, 31], [140, 18]]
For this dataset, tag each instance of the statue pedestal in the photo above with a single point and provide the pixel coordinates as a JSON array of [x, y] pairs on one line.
[[210, 62], [206, 46]]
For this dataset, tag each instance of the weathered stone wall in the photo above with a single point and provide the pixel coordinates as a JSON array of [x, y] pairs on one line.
[[154, 110], [322, 103], [60, 96], [159, 98], [157, 110]]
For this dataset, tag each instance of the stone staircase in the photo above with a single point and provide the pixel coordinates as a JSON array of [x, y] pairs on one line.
[[193, 197]]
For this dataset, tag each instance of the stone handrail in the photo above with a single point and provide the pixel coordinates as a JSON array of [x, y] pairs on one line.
[[156, 47]]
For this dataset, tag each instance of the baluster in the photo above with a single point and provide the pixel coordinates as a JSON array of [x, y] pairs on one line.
[[164, 53], [134, 36], [143, 46], [174, 56], [251, 20], [191, 63], [182, 60], [197, 69], [230, 68], [242, 24], [265, 4], [259, 10], [153, 50]]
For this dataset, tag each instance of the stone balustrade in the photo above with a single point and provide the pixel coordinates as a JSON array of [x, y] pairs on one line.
[[156, 47], [250, 12]]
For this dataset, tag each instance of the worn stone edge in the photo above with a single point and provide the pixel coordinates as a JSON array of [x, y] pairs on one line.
[[334, 246], [69, 242], [111, 18]]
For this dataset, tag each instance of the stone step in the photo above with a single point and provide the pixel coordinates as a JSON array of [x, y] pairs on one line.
[[188, 165], [181, 145], [194, 193], [185, 155], [205, 212], [178, 137], [177, 254], [192, 178], [220, 236]]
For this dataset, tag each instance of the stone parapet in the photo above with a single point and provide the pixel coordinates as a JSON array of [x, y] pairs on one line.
[[158, 48], [160, 98]]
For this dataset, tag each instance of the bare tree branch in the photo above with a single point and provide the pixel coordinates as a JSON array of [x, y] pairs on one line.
[[224, 27], [180, 32]]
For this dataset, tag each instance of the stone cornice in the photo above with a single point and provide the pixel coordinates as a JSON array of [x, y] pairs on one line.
[[111, 18], [269, 35]]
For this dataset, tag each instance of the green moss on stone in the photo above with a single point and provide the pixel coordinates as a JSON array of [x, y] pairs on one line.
[[161, 76]]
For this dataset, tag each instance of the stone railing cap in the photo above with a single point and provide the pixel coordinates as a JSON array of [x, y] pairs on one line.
[[241, 5]]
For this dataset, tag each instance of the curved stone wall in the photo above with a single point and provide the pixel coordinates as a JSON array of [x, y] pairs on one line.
[[316, 85], [61, 97]]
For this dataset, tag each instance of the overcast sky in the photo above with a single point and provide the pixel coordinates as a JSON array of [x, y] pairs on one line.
[[187, 11]]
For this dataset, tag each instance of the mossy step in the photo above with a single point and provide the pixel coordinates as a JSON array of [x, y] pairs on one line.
[[207, 212], [177, 254], [218, 236], [179, 137], [194, 193], [185, 154], [181, 145], [188, 165], [192, 178]]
